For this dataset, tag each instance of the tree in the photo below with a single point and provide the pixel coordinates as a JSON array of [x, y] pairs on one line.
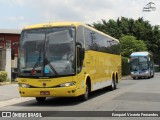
[[130, 44], [139, 28]]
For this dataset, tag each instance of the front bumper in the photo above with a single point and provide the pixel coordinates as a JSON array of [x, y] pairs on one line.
[[140, 74], [53, 92]]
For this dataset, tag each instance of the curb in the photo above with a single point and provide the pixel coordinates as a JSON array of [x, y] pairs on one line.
[[126, 77], [4, 83], [7, 83]]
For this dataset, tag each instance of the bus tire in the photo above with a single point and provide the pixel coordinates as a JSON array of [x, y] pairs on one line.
[[85, 96], [113, 85], [41, 99], [153, 75], [149, 76]]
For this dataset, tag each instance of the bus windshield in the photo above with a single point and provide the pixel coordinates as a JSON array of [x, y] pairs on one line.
[[139, 63], [47, 52]]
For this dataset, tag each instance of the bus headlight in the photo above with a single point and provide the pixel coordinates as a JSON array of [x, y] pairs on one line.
[[24, 85], [146, 71], [67, 84]]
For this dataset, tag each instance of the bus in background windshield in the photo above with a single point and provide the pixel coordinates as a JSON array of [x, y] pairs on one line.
[[142, 65]]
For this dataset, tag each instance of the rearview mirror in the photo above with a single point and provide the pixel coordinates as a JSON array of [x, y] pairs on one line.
[[129, 60], [81, 51], [149, 59]]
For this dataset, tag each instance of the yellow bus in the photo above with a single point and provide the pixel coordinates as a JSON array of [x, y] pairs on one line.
[[66, 59]]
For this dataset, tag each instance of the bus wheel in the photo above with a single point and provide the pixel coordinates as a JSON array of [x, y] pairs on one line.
[[149, 76], [153, 75], [113, 84], [40, 99], [86, 95], [134, 78]]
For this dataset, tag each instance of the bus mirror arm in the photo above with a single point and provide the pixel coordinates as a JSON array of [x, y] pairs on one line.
[[78, 44]]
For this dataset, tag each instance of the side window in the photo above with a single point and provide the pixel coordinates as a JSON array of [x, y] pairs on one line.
[[109, 41], [111, 46], [102, 42], [99, 42], [88, 39], [80, 37], [94, 40], [115, 48]]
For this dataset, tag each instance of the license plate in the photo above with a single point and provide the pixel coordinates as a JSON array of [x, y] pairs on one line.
[[44, 93]]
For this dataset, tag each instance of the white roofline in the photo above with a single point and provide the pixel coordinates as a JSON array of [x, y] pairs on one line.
[[145, 53], [10, 31]]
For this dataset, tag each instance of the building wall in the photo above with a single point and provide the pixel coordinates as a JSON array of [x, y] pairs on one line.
[[6, 63], [11, 37]]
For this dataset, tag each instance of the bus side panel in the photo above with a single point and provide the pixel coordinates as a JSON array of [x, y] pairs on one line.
[[102, 69]]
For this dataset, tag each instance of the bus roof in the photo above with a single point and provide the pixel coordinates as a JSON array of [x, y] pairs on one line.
[[59, 24], [52, 24], [140, 54]]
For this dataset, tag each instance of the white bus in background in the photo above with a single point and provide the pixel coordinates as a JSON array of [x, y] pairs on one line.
[[142, 65]]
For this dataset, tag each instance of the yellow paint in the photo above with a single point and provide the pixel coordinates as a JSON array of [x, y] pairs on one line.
[[96, 65]]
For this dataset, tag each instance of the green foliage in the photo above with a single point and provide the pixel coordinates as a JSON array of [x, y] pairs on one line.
[[3, 76], [130, 44], [139, 28], [157, 68], [125, 66]]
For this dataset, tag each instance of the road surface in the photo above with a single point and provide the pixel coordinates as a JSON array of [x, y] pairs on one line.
[[131, 95]]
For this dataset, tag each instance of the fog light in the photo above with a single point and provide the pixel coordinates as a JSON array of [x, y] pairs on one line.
[[24, 85], [147, 72]]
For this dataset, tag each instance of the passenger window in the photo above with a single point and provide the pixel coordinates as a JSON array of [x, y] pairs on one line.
[[80, 36], [88, 39]]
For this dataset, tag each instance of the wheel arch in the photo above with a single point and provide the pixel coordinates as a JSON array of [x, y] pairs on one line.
[[117, 77], [112, 75], [88, 81]]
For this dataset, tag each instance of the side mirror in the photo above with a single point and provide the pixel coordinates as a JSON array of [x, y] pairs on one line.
[[81, 51], [129, 60], [149, 59]]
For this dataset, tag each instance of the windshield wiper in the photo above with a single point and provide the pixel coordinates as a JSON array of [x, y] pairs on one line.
[[37, 62], [47, 62]]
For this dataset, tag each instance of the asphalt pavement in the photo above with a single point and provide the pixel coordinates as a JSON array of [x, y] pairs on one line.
[[8, 91], [131, 95]]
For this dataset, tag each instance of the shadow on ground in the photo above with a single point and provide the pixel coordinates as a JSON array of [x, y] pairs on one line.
[[63, 101]]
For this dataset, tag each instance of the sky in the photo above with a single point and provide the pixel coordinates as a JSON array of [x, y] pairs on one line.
[[16, 14]]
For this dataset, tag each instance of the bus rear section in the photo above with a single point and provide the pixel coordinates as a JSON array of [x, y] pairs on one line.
[[142, 65]]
